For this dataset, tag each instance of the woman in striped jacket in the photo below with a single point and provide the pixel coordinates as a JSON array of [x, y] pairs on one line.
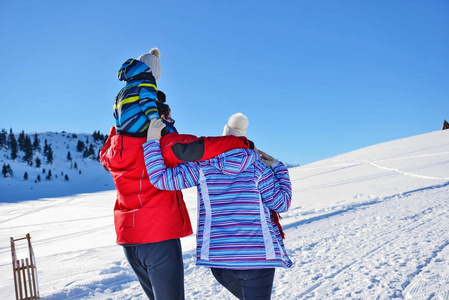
[[238, 191]]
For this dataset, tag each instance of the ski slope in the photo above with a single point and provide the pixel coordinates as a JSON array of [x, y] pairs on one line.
[[369, 224]]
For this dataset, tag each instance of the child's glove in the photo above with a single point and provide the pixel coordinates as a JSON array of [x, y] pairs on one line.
[[154, 130], [269, 160]]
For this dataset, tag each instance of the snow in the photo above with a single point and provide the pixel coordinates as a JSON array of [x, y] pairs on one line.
[[369, 224]]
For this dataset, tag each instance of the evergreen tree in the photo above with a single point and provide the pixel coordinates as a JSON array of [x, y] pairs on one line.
[[6, 170], [36, 143], [75, 166], [48, 175], [45, 147], [3, 139], [91, 151], [25, 176], [28, 149], [80, 146], [49, 155], [39, 178], [21, 140], [69, 156], [38, 162], [86, 153], [13, 145], [98, 136], [66, 177]]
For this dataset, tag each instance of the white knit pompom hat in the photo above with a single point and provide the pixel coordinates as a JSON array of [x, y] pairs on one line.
[[237, 125], [151, 59]]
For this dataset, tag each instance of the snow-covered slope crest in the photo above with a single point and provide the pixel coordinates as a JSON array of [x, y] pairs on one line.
[[375, 172], [370, 224]]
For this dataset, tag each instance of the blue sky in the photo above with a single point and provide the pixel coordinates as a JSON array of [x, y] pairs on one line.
[[315, 78]]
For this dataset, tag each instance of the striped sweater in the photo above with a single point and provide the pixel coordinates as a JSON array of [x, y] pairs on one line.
[[236, 193], [135, 104]]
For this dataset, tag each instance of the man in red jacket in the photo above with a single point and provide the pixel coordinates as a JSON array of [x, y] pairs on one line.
[[150, 222]]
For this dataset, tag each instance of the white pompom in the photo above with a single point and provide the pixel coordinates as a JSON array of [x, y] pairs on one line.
[[238, 121], [237, 125], [155, 52]]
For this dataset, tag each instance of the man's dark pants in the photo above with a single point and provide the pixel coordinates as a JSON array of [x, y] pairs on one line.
[[159, 268]]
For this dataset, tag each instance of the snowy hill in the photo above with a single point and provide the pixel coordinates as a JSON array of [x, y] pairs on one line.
[[82, 173], [369, 224]]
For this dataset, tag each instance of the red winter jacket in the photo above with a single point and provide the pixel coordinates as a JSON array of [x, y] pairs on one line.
[[142, 213]]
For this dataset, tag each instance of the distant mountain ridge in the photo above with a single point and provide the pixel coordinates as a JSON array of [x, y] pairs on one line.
[[61, 164]]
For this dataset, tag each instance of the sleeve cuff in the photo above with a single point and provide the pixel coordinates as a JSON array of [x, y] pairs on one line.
[[151, 143], [273, 166]]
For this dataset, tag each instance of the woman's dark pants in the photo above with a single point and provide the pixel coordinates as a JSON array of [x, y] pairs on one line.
[[246, 284]]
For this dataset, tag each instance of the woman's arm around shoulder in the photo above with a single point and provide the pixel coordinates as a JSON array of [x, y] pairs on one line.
[[183, 176], [275, 186]]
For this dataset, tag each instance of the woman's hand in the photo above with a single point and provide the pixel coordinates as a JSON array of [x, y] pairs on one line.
[[269, 160], [155, 129]]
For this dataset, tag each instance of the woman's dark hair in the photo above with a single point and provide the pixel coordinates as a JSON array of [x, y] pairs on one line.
[[163, 109]]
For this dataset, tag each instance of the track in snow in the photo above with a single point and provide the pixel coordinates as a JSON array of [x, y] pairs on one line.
[[388, 248]]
